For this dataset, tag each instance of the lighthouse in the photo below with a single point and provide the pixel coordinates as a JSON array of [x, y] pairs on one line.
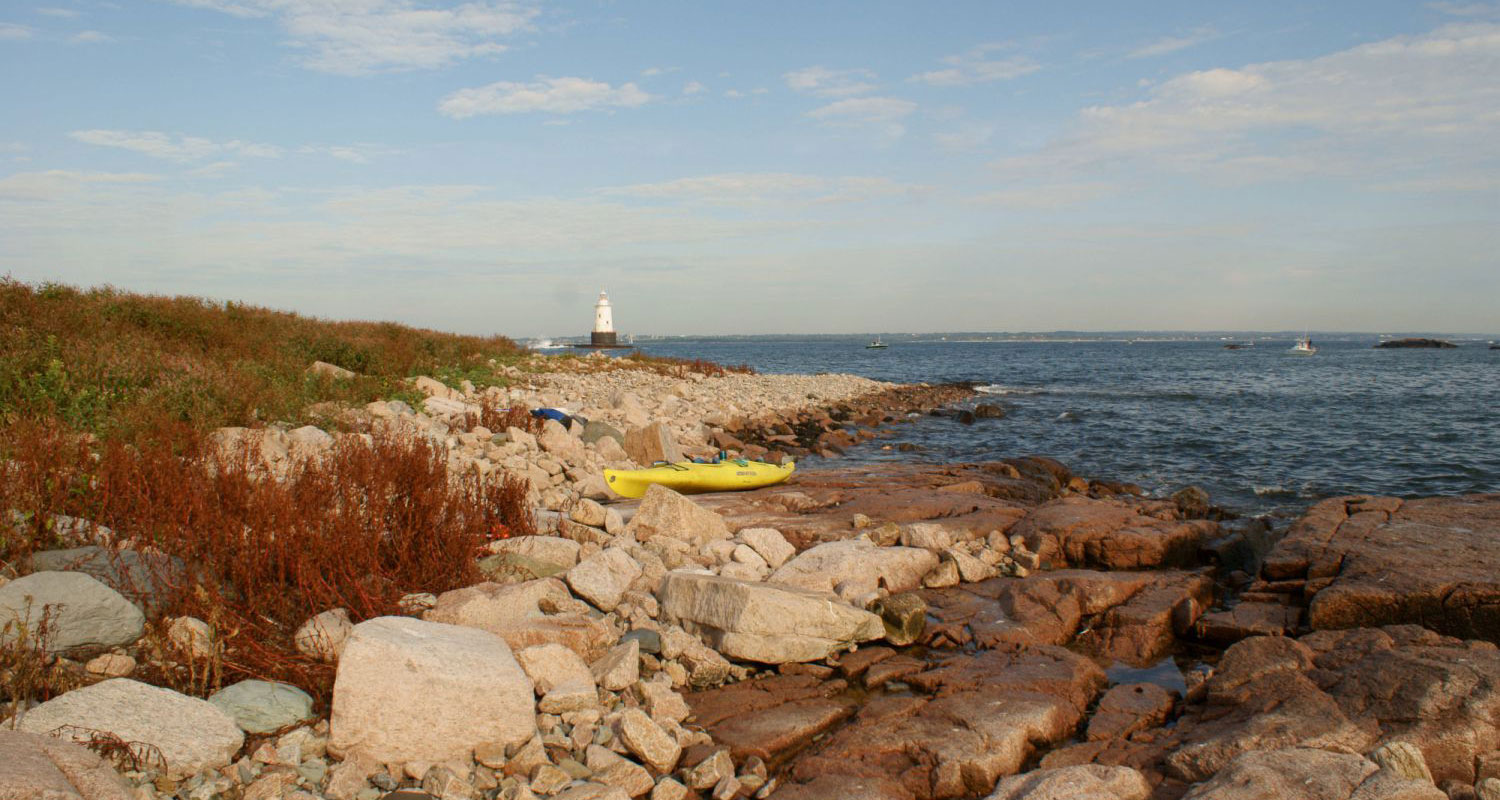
[[604, 323]]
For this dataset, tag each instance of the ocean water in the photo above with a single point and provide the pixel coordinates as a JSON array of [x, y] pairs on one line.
[[1264, 431]]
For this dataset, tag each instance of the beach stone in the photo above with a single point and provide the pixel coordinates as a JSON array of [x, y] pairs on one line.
[[588, 512], [553, 551], [652, 443], [665, 513], [944, 575], [569, 696], [648, 741], [83, 615], [38, 767], [603, 577], [904, 616], [856, 567], [332, 371], [769, 544], [596, 430], [1083, 782], [521, 614], [927, 535], [763, 622], [110, 665], [1298, 773], [620, 667], [613, 769], [263, 707], [592, 791], [323, 636], [409, 690], [556, 440], [192, 735], [551, 665], [192, 636]]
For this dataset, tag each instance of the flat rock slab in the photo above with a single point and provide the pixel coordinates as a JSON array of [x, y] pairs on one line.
[[37, 767], [856, 567], [764, 622], [1090, 782], [1080, 531], [192, 735], [83, 615], [1433, 562]]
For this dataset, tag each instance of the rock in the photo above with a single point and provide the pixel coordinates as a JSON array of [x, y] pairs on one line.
[[970, 569], [1083, 532], [111, 665], [1414, 342], [1084, 782], [83, 615], [648, 741], [516, 614], [603, 578], [989, 411], [37, 767], [332, 371], [192, 636], [1404, 759], [1287, 774], [557, 552], [592, 791], [323, 636], [455, 688], [944, 575], [143, 578], [588, 512], [651, 444], [620, 667], [772, 717], [856, 567], [612, 769], [192, 734], [769, 544], [551, 665], [569, 696], [1192, 501], [556, 440], [904, 616], [595, 430], [262, 706], [665, 513], [1128, 708], [763, 622]]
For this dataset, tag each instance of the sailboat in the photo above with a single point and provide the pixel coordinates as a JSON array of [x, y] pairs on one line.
[[1304, 346]]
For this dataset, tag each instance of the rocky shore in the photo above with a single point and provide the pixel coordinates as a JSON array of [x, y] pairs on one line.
[[997, 630]]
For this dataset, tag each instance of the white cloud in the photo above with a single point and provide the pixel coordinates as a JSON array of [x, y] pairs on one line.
[[368, 36], [694, 87], [66, 13], [90, 37], [40, 186], [825, 82], [864, 109], [968, 137], [173, 147], [1472, 10], [733, 93], [1418, 107], [553, 95], [10, 31], [758, 188], [1046, 197], [978, 66], [1171, 44]]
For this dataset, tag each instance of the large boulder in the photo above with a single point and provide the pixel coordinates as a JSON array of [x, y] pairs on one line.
[[37, 767], [1294, 773], [83, 616], [762, 622], [666, 513], [1082, 532], [652, 443], [525, 614], [143, 578], [192, 735], [410, 690], [1083, 782], [603, 577], [856, 567]]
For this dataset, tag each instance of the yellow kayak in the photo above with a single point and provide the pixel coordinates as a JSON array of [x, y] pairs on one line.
[[691, 478]]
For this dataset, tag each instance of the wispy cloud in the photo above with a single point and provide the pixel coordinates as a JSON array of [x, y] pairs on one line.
[[173, 147], [864, 109], [825, 82], [1046, 197], [66, 13], [551, 95], [1471, 10], [10, 31], [1171, 44], [1423, 104], [370, 36], [694, 87], [90, 37], [979, 65], [758, 188], [967, 137]]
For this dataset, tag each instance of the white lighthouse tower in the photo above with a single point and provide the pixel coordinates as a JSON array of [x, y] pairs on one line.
[[604, 323]]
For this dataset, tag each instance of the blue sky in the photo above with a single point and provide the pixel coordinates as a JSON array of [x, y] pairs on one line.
[[765, 167]]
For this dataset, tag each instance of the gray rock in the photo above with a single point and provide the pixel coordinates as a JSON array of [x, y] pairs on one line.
[[192, 735], [262, 706], [83, 615], [596, 430], [142, 578]]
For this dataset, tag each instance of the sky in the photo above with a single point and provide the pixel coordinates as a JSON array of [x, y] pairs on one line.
[[769, 167]]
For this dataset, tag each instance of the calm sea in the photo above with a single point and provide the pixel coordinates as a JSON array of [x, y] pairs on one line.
[[1262, 430]]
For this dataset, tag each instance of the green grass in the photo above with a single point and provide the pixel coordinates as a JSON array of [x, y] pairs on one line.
[[118, 364]]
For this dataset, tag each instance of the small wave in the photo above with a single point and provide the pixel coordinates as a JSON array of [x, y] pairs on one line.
[[995, 388], [1069, 416], [1274, 491]]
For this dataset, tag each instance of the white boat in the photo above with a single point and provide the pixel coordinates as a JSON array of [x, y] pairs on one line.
[[876, 345], [1304, 346]]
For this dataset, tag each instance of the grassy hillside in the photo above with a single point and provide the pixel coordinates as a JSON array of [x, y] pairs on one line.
[[117, 364]]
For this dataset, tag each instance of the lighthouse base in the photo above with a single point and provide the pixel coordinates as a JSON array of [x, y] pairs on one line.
[[604, 339]]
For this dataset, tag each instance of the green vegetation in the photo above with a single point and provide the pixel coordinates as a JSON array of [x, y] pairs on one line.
[[118, 365]]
